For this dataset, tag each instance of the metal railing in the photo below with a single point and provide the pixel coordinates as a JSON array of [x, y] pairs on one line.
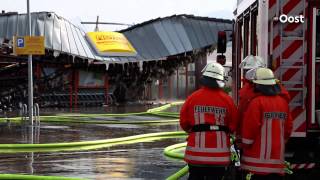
[[36, 114], [30, 131], [24, 113]]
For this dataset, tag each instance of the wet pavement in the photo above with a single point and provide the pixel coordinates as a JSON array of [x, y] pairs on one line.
[[133, 161], [141, 161]]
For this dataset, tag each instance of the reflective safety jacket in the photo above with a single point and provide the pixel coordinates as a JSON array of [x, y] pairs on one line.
[[266, 126], [246, 94], [214, 107]]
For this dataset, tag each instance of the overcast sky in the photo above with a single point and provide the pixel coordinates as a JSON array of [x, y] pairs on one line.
[[122, 11]]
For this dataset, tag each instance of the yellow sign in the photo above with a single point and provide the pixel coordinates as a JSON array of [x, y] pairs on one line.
[[26, 45], [111, 44]]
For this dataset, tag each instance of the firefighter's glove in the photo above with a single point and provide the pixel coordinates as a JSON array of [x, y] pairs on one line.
[[248, 176], [288, 169]]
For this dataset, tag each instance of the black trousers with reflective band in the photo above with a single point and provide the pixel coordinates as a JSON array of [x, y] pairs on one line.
[[206, 172]]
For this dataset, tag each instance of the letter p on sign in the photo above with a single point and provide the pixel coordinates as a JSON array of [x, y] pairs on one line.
[[20, 42]]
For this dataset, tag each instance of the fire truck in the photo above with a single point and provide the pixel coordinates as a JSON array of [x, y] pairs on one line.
[[286, 34]]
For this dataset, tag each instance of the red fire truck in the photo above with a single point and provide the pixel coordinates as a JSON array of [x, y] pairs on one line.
[[286, 34]]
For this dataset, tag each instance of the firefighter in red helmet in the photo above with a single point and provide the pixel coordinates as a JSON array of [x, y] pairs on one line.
[[208, 116], [266, 126]]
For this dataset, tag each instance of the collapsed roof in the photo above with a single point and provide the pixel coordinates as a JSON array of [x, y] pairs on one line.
[[154, 40]]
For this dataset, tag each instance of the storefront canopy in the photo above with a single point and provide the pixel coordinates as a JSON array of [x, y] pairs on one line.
[[154, 40]]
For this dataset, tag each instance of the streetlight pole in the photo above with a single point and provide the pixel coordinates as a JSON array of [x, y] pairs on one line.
[[30, 76]]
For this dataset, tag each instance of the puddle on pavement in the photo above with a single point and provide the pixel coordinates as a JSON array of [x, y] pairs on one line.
[[134, 161]]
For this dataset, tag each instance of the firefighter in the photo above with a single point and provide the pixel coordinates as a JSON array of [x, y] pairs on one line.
[[266, 126], [247, 93], [208, 116]]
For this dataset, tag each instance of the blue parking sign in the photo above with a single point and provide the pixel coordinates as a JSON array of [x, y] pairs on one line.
[[20, 42]]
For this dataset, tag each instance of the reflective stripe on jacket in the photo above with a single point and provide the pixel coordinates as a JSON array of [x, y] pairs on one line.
[[266, 126], [208, 106]]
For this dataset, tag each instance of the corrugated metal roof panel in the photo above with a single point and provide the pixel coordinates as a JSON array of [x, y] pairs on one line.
[[165, 39], [34, 18], [48, 31], [206, 32], [65, 46], [203, 34], [173, 35], [151, 35], [85, 45], [221, 26], [79, 47], [145, 41], [132, 59], [160, 47], [41, 24], [11, 26], [198, 33], [3, 20], [182, 34], [229, 27], [212, 27], [72, 42], [22, 25], [191, 33], [56, 34], [136, 40], [139, 57]]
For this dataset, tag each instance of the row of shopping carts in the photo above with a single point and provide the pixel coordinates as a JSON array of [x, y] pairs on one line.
[[82, 98]]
